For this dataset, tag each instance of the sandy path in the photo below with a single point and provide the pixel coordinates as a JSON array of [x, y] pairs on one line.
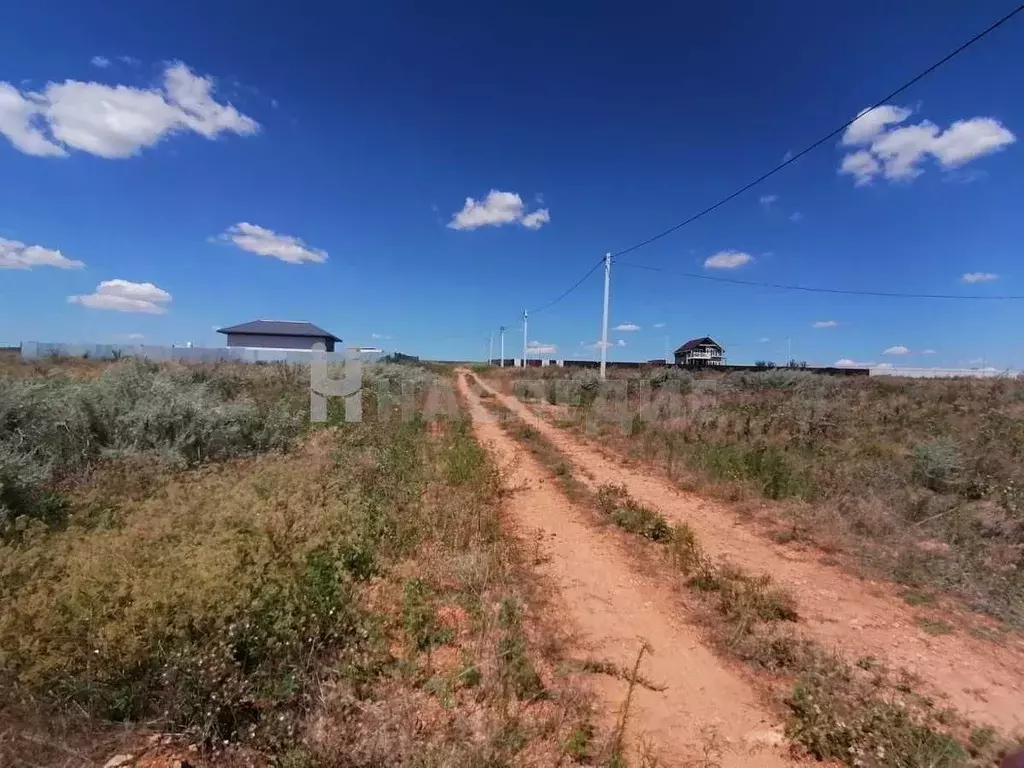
[[983, 680], [613, 609]]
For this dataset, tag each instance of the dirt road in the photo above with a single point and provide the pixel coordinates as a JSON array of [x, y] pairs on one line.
[[983, 680], [613, 610]]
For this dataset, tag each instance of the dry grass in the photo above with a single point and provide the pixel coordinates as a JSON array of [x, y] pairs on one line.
[[859, 715], [350, 603], [922, 480]]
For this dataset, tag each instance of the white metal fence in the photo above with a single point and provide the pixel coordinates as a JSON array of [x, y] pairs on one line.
[[39, 350]]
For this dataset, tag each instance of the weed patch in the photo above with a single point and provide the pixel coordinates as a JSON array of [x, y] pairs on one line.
[[615, 503], [302, 603], [920, 479], [842, 715]]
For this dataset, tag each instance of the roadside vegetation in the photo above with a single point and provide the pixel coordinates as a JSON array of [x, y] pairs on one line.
[[858, 713], [921, 479], [185, 559]]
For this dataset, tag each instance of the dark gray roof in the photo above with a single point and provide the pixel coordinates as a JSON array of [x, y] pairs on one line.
[[280, 328], [694, 343]]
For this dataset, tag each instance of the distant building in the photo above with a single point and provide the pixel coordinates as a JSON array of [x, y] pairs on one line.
[[278, 334], [700, 353]]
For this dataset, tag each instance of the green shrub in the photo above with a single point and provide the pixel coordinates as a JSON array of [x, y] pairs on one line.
[[615, 503], [840, 717], [784, 379], [515, 669], [54, 427], [672, 379], [419, 614], [937, 464], [766, 466]]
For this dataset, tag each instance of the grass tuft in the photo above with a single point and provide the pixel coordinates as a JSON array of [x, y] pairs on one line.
[[615, 503]]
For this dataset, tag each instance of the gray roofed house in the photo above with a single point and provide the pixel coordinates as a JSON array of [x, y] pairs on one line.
[[278, 334], [700, 352]]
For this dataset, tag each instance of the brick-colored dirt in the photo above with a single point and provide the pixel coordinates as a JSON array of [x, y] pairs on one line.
[[980, 678], [611, 608]]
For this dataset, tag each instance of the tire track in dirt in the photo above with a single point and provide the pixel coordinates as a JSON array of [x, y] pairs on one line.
[[614, 609], [981, 679]]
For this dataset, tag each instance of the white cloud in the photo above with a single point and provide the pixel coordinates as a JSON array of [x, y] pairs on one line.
[[796, 216], [536, 219], [767, 200], [979, 277], [848, 363], [136, 336], [659, 325], [825, 324], [266, 242], [380, 336], [125, 296], [19, 122], [862, 166], [898, 153], [15, 255], [965, 140], [499, 208], [115, 121], [871, 122], [596, 345], [884, 366], [929, 352], [727, 260], [540, 348], [100, 61], [764, 340], [788, 156], [620, 343], [627, 327], [898, 349]]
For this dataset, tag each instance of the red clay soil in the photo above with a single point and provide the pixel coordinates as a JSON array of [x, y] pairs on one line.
[[611, 610], [980, 678]]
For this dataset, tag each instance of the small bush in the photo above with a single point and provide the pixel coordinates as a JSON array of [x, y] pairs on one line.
[[766, 466], [516, 671], [419, 615], [615, 503], [673, 379], [783, 379], [684, 550], [839, 716], [937, 464], [746, 600], [55, 427]]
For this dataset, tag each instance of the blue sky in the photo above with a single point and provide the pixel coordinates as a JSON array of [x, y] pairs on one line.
[[207, 163]]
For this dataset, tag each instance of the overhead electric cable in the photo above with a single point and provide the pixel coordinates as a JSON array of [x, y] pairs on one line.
[[811, 289], [790, 160]]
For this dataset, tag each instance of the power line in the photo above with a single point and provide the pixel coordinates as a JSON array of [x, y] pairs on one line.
[[992, 27], [572, 288], [809, 289], [562, 295]]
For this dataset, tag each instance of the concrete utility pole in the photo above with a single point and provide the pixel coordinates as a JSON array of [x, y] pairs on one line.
[[524, 337], [502, 363], [604, 321]]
